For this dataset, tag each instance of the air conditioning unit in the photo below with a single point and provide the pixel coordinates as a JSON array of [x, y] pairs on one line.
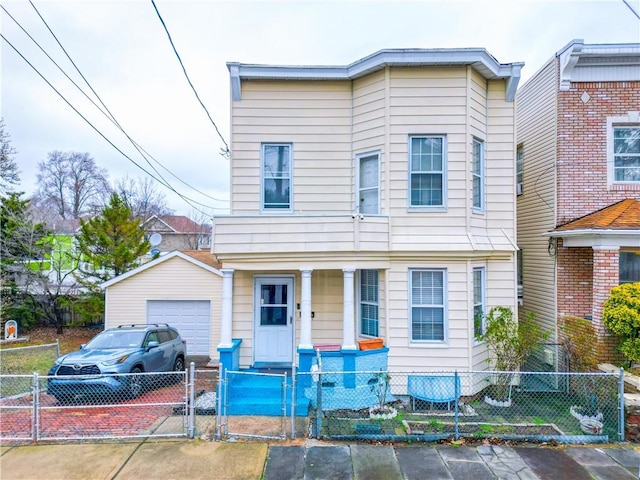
[[519, 189], [548, 356]]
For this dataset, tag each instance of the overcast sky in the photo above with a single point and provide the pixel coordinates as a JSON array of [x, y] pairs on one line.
[[122, 50]]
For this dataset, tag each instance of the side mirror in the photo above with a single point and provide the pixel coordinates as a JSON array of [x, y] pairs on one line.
[[152, 344]]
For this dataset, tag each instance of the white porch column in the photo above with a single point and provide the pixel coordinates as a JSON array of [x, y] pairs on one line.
[[227, 308], [305, 309], [348, 321]]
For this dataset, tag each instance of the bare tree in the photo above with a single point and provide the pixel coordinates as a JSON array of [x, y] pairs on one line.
[[72, 182], [201, 237], [9, 173], [142, 197]]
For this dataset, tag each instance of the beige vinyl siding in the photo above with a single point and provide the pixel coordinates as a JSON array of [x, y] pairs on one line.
[[315, 117], [175, 279], [536, 126]]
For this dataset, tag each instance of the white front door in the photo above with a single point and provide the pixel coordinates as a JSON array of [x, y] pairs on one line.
[[273, 320]]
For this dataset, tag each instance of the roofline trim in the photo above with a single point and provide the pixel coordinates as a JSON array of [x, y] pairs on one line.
[[156, 261], [377, 61]]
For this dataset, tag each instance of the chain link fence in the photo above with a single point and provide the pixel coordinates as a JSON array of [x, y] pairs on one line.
[[401, 406], [21, 360]]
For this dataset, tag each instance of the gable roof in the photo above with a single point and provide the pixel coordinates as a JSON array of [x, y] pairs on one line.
[[173, 224], [478, 58], [200, 259], [624, 215]]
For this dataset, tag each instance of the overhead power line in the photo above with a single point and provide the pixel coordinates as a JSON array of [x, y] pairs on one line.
[[632, 9], [184, 70]]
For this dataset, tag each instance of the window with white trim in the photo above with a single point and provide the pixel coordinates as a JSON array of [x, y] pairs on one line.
[[479, 309], [276, 177], [477, 174], [427, 297], [629, 267], [519, 170], [626, 153], [427, 166], [368, 303], [369, 184]]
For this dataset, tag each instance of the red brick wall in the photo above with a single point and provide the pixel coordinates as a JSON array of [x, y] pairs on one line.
[[605, 277], [575, 290], [582, 146]]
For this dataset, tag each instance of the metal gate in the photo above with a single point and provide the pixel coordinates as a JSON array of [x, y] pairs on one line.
[[253, 404]]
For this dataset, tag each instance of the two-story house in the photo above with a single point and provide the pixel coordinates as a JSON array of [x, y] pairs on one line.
[[375, 199], [176, 232], [578, 181]]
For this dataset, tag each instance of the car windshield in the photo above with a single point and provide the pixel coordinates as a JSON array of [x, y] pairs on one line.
[[117, 339]]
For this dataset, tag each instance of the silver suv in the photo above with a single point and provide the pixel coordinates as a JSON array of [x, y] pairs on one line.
[[131, 349]]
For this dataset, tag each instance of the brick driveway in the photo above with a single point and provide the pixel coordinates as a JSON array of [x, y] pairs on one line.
[[96, 420]]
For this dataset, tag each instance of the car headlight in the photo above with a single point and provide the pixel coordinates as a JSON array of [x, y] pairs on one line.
[[115, 361]]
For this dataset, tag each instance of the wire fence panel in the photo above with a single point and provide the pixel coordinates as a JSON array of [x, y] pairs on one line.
[[112, 406], [17, 408], [582, 408], [26, 360], [205, 400], [254, 404]]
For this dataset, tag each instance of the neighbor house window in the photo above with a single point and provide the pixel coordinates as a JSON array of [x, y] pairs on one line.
[[520, 273], [477, 173], [519, 170], [626, 153], [478, 301], [276, 177], [427, 164], [369, 184], [368, 293], [629, 267], [427, 304]]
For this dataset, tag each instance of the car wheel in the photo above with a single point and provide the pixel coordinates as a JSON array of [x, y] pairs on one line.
[[178, 366], [136, 383]]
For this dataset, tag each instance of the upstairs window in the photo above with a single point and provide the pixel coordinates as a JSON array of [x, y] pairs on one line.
[[519, 170], [427, 164], [477, 173], [276, 177], [369, 184], [626, 153], [368, 292]]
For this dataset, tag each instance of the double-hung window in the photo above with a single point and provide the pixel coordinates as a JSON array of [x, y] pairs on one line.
[[276, 177], [626, 153], [477, 173], [368, 304], [478, 301], [427, 300], [368, 190], [427, 166], [519, 170]]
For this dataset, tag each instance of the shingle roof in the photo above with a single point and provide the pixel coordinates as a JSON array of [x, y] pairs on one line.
[[624, 215], [205, 257], [178, 223]]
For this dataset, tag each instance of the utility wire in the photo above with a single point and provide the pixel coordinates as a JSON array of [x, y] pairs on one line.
[[632, 9], [90, 124], [184, 70], [107, 113]]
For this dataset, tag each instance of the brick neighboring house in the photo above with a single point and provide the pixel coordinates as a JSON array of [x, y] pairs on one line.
[[178, 232], [578, 156]]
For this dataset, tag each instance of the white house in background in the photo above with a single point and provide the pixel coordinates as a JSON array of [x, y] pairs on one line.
[[375, 199], [183, 289]]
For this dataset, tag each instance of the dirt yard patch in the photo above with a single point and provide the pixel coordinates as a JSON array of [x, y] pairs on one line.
[[70, 339]]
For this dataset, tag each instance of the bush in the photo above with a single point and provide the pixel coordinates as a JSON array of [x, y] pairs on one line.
[[621, 314]]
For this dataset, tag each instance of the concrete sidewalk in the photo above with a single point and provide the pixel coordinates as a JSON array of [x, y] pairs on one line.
[[198, 459]]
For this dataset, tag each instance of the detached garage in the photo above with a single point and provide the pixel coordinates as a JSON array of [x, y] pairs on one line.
[[182, 289]]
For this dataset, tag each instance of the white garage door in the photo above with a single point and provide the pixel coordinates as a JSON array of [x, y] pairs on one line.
[[192, 318]]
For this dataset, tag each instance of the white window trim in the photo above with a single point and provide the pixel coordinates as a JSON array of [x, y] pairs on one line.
[[359, 157], [445, 322], [483, 177], [359, 312], [428, 208], [276, 210], [483, 270], [630, 120], [520, 185]]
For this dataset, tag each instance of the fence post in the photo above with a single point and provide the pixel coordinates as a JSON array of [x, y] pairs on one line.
[[621, 406], [456, 433], [57, 348], [192, 400], [219, 402], [319, 404], [293, 401], [35, 423]]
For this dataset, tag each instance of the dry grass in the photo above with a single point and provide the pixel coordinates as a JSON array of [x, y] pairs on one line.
[[70, 339]]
